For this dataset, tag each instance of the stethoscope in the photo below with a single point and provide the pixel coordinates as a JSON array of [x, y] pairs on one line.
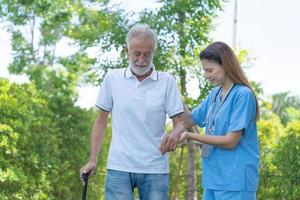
[[209, 121]]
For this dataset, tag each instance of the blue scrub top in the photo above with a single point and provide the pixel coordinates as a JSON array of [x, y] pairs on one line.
[[224, 169]]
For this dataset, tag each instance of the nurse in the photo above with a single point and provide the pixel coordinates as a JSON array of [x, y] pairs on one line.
[[230, 151]]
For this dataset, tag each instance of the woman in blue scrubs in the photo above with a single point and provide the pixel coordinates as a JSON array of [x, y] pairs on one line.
[[230, 151]]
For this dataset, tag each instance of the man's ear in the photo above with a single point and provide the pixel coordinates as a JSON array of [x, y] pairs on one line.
[[126, 50]]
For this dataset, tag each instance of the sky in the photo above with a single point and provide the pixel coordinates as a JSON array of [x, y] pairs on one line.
[[269, 30]]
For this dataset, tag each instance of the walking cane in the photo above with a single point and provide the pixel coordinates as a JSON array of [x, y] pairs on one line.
[[85, 178]]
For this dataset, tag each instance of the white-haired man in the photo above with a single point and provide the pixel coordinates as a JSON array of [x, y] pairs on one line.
[[139, 98]]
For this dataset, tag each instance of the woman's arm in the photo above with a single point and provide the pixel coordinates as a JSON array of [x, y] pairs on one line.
[[228, 141]]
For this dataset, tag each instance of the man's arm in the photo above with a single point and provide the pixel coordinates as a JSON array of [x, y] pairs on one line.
[[98, 133], [171, 140], [188, 123]]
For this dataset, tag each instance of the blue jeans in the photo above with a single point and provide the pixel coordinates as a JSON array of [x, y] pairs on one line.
[[120, 185]]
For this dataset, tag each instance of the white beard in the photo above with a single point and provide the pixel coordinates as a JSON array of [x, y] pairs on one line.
[[140, 71]]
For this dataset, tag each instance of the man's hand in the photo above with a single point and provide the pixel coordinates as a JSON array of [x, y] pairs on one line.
[[89, 167], [169, 142]]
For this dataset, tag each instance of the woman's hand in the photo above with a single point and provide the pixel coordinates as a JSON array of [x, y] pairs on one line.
[[184, 136]]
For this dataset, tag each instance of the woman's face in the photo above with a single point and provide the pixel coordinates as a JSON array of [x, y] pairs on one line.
[[213, 72]]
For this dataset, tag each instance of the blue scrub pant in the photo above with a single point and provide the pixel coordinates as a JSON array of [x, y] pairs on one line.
[[227, 195]]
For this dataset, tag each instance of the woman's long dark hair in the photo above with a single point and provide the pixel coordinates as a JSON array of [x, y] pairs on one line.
[[221, 53]]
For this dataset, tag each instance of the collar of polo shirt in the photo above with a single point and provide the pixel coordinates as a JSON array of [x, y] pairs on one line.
[[154, 75]]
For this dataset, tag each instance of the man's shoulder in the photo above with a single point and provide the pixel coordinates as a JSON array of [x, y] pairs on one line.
[[116, 72], [165, 75]]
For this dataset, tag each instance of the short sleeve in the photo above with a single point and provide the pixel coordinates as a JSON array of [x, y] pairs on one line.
[[104, 99], [199, 113], [243, 111], [173, 104]]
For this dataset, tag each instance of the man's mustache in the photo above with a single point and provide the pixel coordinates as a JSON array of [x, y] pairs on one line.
[[137, 65]]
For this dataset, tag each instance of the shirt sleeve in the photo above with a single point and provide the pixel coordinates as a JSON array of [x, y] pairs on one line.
[[173, 104], [199, 113], [243, 111], [104, 99]]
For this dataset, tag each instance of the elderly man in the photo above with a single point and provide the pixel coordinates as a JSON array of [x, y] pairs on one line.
[[139, 98]]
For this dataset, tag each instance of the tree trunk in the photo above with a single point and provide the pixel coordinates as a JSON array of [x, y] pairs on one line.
[[191, 174], [191, 190]]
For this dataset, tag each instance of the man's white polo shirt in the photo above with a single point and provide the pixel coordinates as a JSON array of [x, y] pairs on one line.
[[138, 118]]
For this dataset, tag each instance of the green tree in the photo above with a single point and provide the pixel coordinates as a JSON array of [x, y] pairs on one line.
[[28, 143], [56, 78], [278, 165], [40, 156], [283, 101], [270, 129], [292, 113], [287, 162]]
